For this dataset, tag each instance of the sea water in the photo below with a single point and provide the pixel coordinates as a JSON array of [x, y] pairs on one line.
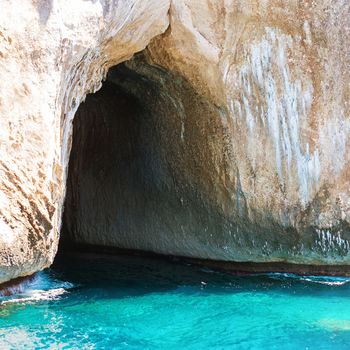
[[123, 302]]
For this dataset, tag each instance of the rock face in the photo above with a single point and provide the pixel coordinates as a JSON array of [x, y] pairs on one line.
[[232, 130], [280, 73], [143, 169], [52, 53]]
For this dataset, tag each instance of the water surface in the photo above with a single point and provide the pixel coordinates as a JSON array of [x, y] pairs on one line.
[[105, 302]]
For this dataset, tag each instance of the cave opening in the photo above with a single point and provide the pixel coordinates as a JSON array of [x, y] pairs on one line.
[[105, 156], [141, 167], [115, 180]]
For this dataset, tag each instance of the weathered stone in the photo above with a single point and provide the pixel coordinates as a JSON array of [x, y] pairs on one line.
[[280, 73], [52, 53], [282, 76]]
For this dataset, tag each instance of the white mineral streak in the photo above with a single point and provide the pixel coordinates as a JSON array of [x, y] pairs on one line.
[[283, 103], [281, 73], [327, 241]]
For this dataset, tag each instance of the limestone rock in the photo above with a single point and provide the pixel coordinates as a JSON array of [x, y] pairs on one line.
[[52, 53], [279, 73]]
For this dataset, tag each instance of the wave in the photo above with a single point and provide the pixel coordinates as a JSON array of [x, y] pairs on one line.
[[325, 280], [44, 287], [37, 295]]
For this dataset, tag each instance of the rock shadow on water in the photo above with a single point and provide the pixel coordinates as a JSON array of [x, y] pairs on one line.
[[104, 277], [119, 276]]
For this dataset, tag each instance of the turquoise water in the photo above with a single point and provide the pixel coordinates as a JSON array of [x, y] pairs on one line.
[[104, 302]]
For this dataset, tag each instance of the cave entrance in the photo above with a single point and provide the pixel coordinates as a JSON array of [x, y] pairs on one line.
[[116, 175], [139, 164]]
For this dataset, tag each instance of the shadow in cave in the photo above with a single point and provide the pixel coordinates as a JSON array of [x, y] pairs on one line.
[[123, 276], [146, 174], [141, 167], [110, 177]]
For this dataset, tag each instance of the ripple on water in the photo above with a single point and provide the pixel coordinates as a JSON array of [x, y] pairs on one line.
[[100, 302], [326, 280]]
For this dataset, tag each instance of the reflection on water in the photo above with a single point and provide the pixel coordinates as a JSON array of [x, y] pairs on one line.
[[105, 302]]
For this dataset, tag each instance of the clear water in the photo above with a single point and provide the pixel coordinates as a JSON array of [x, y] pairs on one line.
[[101, 302]]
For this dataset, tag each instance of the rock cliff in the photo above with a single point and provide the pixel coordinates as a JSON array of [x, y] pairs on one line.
[[231, 129], [52, 53]]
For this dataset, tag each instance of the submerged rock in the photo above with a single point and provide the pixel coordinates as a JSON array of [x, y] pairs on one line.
[[231, 129]]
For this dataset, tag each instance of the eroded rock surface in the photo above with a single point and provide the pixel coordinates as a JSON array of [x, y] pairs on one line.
[[280, 73], [255, 96], [52, 53]]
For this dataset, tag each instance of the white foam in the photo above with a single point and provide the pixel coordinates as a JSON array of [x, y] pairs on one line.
[[37, 295], [325, 280]]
